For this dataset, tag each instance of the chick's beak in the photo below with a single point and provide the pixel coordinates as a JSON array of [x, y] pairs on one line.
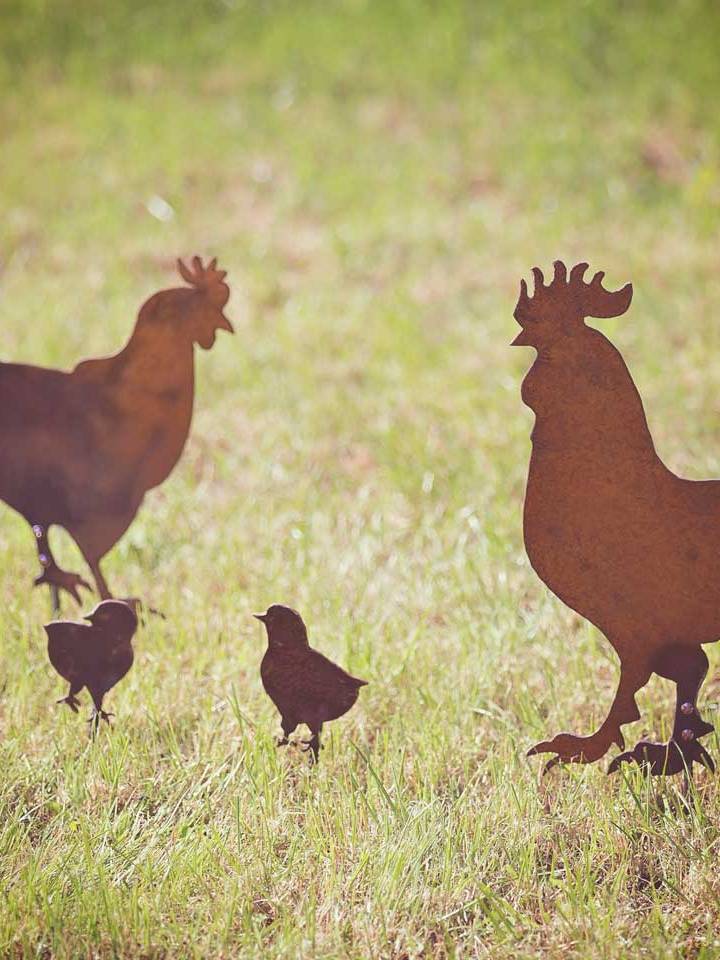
[[89, 617], [262, 617]]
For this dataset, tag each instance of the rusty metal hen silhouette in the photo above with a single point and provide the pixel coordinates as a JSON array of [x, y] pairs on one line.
[[81, 449], [608, 527]]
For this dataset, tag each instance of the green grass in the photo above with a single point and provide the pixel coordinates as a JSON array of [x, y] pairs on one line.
[[376, 178]]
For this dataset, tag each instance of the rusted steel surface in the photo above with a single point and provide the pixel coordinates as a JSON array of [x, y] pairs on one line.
[[303, 684], [82, 448], [94, 655], [614, 533]]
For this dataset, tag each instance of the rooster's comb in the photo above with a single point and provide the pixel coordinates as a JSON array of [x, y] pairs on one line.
[[571, 295], [208, 279]]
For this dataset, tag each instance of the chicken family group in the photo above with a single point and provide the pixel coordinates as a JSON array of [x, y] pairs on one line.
[[608, 527]]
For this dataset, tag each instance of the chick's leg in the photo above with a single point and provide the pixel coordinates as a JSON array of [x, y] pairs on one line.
[[52, 575], [569, 748], [687, 667], [98, 713]]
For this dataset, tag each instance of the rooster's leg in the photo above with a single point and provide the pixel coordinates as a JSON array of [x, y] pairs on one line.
[[56, 578], [687, 667], [569, 748]]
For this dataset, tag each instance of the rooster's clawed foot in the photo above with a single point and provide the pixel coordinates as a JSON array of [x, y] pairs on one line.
[[678, 754], [572, 749], [665, 758], [53, 576]]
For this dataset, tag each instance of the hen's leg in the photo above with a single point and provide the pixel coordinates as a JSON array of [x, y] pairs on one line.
[[56, 578], [687, 667], [572, 749], [100, 582], [104, 591]]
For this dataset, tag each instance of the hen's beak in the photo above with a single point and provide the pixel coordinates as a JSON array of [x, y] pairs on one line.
[[89, 617], [225, 324], [262, 617]]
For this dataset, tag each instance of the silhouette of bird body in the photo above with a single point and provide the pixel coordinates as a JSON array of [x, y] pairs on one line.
[[95, 655], [303, 684], [608, 527], [83, 447]]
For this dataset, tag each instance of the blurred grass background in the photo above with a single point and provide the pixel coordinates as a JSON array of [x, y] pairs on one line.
[[376, 177]]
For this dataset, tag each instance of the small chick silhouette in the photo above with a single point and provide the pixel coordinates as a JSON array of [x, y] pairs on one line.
[[304, 685], [96, 656]]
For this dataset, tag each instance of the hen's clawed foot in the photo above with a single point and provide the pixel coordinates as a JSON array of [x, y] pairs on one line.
[[571, 749], [53, 576], [281, 742], [140, 609], [71, 701], [95, 719]]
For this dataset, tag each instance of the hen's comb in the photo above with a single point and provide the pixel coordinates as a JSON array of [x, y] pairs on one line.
[[208, 279]]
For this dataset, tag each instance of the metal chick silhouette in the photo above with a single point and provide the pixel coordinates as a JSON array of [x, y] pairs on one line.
[[303, 684], [96, 656], [82, 448], [608, 527]]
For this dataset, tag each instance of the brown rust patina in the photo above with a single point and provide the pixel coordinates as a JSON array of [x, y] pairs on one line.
[[614, 533], [81, 449]]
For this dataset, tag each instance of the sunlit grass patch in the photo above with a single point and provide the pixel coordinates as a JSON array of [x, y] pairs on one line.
[[375, 177]]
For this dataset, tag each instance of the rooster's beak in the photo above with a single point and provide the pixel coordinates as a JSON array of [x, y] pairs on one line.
[[521, 340]]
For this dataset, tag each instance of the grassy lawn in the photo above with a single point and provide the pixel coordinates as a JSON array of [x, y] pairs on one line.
[[376, 177]]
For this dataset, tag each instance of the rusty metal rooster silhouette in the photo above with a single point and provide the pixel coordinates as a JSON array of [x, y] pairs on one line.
[[608, 527], [81, 449]]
